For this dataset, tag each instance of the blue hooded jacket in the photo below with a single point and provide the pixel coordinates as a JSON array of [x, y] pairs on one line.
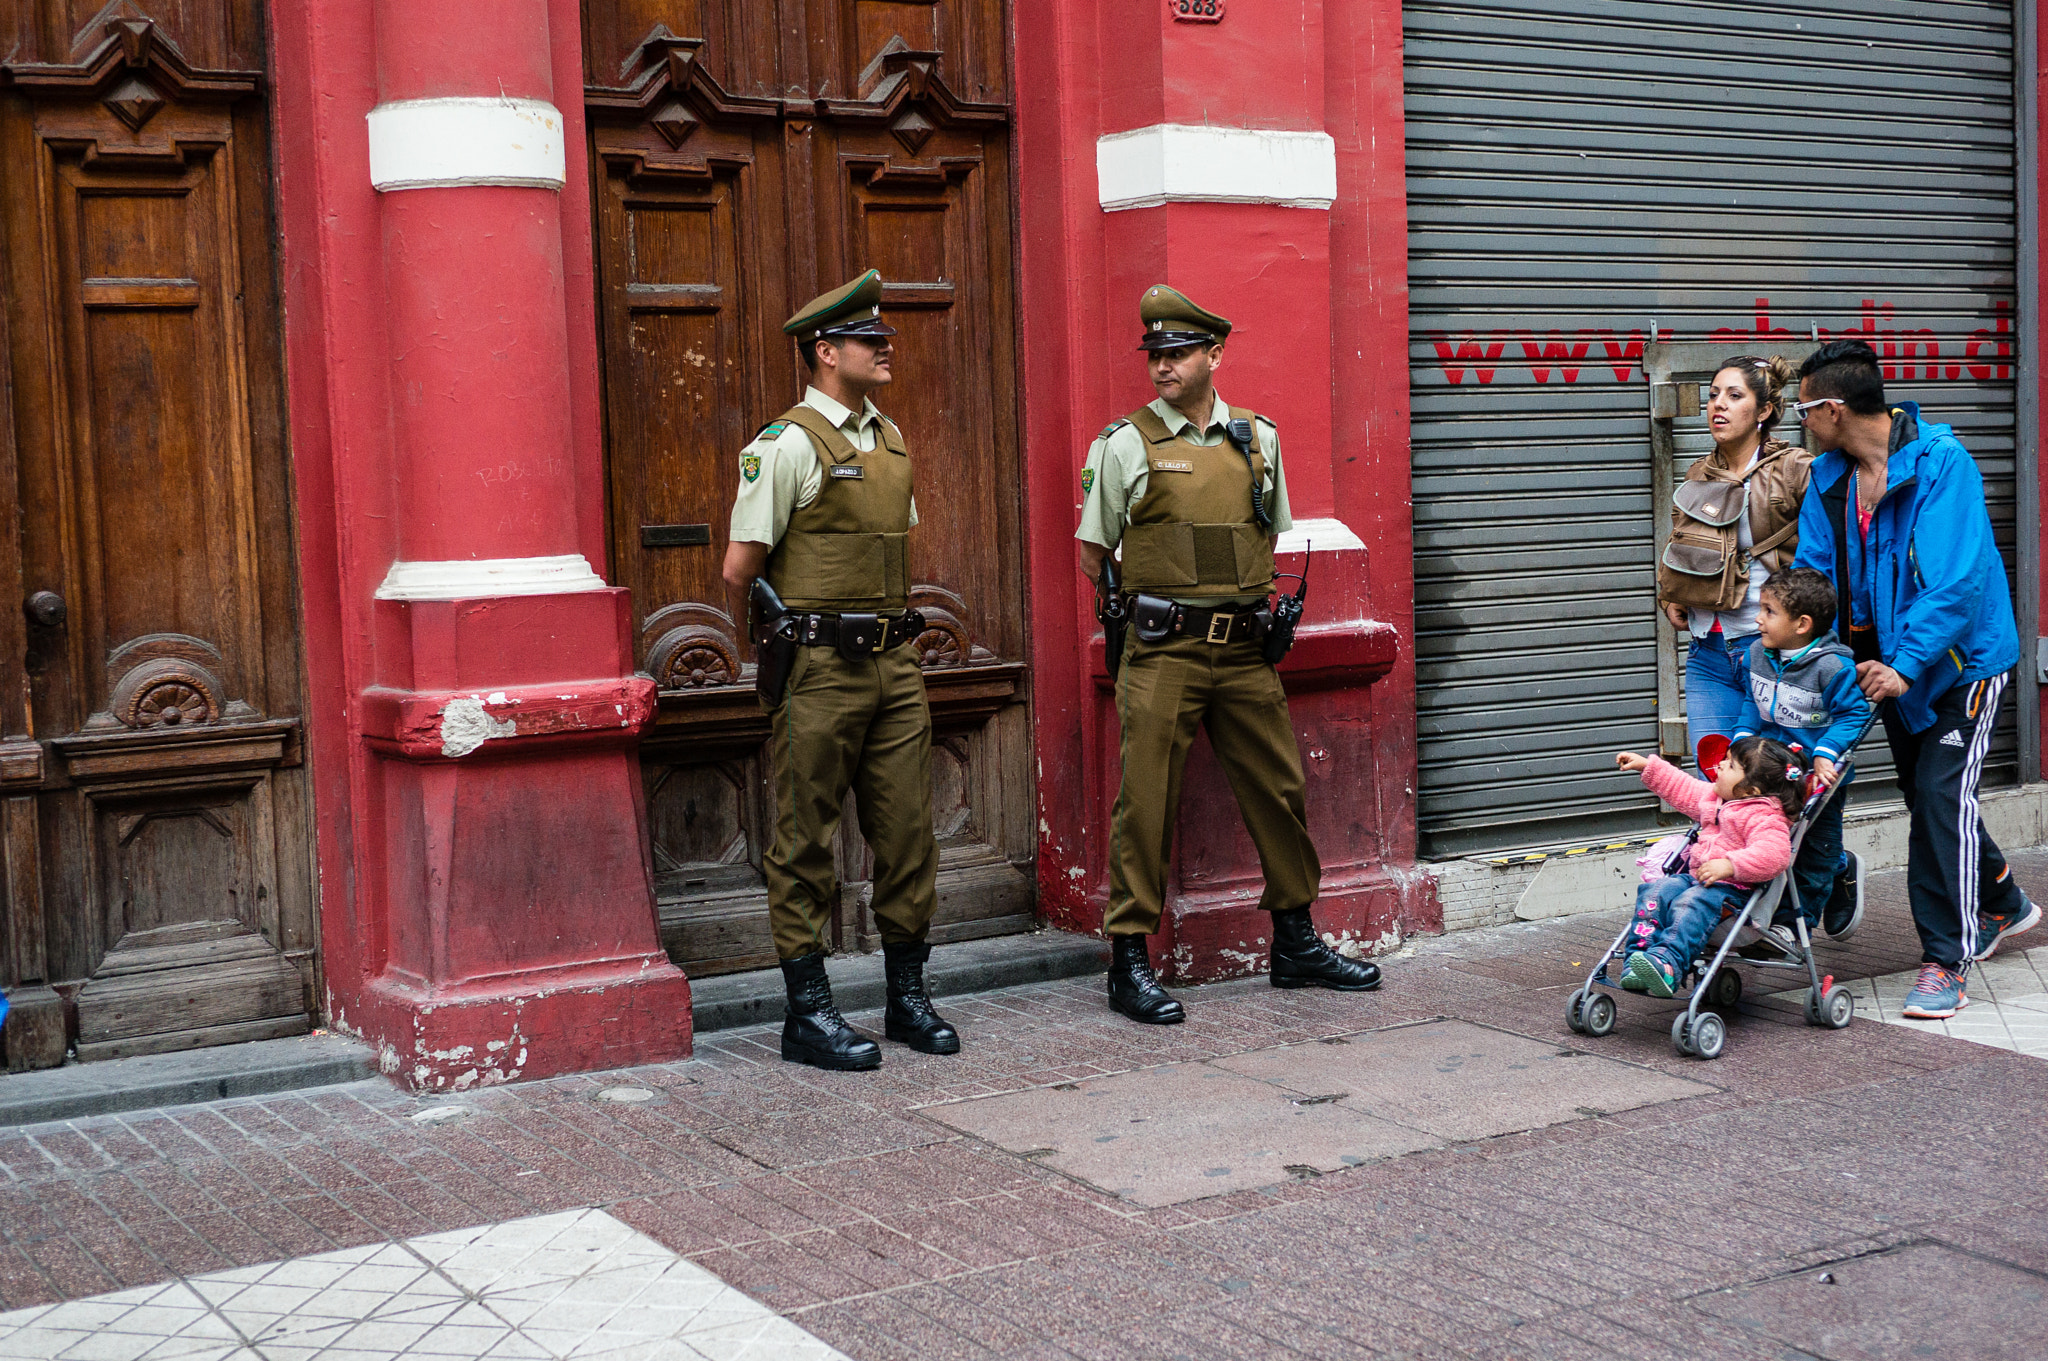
[[1936, 587]]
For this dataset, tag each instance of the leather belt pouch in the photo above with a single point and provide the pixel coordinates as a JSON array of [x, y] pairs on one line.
[[862, 635], [1152, 618]]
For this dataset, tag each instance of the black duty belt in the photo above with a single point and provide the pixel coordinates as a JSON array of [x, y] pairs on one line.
[[856, 633], [1156, 619]]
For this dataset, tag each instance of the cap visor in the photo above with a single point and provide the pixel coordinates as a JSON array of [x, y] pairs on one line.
[[866, 328], [1174, 340]]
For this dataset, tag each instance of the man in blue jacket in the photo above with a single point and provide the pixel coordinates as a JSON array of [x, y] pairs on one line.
[[1894, 514]]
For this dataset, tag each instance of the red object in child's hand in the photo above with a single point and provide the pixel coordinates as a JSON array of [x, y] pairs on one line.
[[1713, 749]]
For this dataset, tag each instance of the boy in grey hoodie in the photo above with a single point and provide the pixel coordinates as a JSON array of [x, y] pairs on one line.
[[1803, 693]]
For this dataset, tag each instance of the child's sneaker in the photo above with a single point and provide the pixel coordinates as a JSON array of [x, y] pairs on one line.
[[1937, 995], [1774, 942], [1845, 908], [1994, 930], [1647, 973]]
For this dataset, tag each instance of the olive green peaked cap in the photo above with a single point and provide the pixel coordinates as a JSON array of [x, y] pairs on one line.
[[853, 309], [1172, 320]]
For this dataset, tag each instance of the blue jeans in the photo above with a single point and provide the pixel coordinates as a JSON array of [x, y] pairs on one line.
[[1716, 682], [1676, 914]]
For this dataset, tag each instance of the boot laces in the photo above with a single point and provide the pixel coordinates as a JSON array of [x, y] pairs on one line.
[[820, 1006]]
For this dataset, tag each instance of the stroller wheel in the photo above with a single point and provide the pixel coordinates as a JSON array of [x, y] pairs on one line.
[[1681, 1034], [1709, 1035], [1597, 1017], [1574, 1011], [1837, 1008], [1727, 990]]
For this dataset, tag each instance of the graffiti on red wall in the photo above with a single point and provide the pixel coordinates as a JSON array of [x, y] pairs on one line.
[[1598, 351]]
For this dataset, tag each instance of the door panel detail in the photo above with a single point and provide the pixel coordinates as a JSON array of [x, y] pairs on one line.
[[148, 480], [737, 174]]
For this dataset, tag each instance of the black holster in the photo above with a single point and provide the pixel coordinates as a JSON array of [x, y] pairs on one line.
[[1113, 612], [1281, 617], [774, 638]]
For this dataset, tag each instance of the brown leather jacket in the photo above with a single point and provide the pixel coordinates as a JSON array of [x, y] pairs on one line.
[[1701, 565]]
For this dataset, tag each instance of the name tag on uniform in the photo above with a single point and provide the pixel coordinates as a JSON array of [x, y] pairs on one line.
[[1173, 465], [846, 470]]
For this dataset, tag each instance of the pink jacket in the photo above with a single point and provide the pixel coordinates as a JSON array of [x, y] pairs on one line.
[[1751, 834]]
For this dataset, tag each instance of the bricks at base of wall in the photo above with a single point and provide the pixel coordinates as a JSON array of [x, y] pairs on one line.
[[1495, 889]]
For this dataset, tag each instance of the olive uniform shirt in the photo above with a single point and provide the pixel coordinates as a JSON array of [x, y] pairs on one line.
[[1120, 463], [779, 472]]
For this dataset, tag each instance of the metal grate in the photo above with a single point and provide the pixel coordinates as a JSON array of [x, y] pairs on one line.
[[1578, 171]]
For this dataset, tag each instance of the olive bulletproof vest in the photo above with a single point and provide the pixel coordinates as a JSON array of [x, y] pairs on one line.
[[844, 551], [1192, 534]]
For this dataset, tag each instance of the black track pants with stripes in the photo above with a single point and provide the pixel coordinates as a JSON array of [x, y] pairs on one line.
[[1954, 870]]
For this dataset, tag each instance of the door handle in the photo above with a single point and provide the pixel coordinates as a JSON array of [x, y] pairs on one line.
[[47, 609]]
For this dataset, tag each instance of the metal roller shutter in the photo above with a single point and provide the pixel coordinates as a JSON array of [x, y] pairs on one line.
[[1579, 170]]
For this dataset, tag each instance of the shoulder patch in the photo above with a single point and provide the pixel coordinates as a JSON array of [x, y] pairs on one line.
[[750, 466], [1112, 428], [1087, 480]]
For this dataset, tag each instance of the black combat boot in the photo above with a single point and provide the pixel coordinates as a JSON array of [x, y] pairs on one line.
[[1134, 989], [813, 1031], [910, 1018], [1301, 960]]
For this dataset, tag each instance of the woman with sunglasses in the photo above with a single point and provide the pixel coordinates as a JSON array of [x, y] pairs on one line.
[[1734, 520]]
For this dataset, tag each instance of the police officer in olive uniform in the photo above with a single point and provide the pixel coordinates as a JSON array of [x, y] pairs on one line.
[[823, 510], [1197, 517]]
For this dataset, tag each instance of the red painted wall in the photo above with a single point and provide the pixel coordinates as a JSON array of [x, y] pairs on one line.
[[1318, 301], [485, 915]]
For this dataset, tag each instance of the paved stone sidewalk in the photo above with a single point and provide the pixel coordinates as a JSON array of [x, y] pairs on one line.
[[1873, 1192]]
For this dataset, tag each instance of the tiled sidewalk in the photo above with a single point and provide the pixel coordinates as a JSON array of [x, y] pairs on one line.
[[1686, 1228], [2008, 1001], [564, 1285]]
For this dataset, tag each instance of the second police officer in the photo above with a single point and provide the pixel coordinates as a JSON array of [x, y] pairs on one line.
[[1193, 490], [823, 512]]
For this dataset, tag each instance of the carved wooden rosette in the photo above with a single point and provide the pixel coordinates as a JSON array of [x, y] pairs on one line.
[[690, 647]]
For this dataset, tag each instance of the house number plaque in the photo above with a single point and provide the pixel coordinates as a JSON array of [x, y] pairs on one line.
[[1195, 11]]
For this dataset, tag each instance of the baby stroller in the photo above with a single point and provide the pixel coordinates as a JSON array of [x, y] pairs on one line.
[[1711, 982]]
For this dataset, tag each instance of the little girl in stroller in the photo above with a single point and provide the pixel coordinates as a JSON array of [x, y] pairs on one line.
[[1743, 842]]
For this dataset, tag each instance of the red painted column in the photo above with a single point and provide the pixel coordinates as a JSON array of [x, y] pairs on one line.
[[487, 905], [1315, 281]]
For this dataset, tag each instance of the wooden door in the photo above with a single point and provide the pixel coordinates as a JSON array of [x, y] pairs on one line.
[[157, 858], [747, 155]]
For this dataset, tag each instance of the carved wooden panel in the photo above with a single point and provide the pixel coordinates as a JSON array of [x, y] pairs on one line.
[[746, 157], [822, 48], [149, 501]]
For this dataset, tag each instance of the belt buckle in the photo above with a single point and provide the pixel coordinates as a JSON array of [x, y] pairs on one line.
[[1219, 627], [882, 635]]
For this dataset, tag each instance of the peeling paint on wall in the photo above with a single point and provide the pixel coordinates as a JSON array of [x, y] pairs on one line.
[[465, 726]]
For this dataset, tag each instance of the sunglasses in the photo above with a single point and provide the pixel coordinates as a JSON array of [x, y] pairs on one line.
[[1797, 410]]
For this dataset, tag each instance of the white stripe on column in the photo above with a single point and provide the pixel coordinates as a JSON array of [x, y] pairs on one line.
[[430, 143], [463, 579], [1176, 163]]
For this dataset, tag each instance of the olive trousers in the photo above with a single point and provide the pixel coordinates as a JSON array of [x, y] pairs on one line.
[[860, 724], [1165, 692]]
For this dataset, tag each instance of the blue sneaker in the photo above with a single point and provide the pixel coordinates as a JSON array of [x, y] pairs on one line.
[[1994, 930], [1937, 995], [1647, 973]]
